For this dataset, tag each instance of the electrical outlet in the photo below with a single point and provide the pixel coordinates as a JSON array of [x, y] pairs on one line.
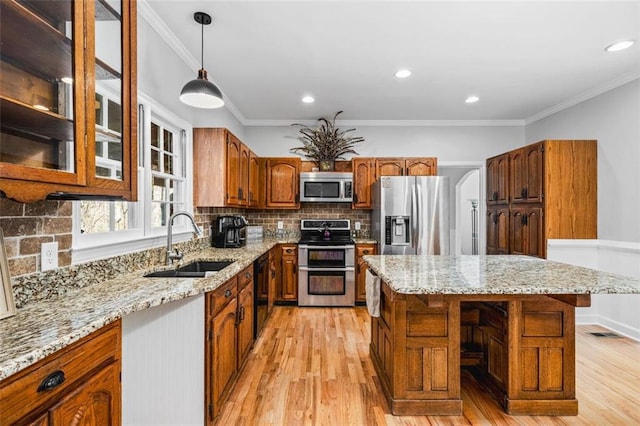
[[357, 226], [280, 224], [48, 256]]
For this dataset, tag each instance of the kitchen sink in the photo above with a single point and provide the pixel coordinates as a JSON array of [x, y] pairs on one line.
[[193, 270]]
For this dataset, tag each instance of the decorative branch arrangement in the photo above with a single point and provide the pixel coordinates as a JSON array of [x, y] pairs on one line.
[[326, 143]]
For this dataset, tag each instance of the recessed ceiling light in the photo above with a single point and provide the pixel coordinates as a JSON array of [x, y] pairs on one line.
[[308, 100], [472, 99], [621, 45], [403, 73]]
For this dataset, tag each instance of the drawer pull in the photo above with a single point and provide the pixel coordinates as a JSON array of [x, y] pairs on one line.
[[52, 381], [247, 275], [227, 293], [365, 251]]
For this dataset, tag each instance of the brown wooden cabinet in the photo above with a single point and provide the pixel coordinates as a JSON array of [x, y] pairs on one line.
[[364, 175], [229, 336], [526, 231], [427, 166], [498, 231], [63, 132], [553, 187], [282, 183], [79, 384], [498, 180], [226, 172], [288, 284], [367, 170], [245, 314], [254, 181], [275, 267], [361, 269], [526, 170]]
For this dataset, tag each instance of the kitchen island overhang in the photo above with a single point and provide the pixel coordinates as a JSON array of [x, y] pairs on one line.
[[509, 319]]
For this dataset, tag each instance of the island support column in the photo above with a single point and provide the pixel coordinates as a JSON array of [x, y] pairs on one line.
[[415, 347]]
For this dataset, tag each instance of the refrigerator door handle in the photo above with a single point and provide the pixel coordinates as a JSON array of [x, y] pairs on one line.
[[415, 223]]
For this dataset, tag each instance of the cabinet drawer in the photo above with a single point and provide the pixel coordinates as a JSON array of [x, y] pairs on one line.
[[219, 297], [363, 250], [245, 277], [19, 395]]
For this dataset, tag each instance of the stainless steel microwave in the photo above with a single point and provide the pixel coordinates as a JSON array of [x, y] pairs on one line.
[[326, 187]]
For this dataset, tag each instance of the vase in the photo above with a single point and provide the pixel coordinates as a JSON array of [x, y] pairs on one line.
[[326, 165]]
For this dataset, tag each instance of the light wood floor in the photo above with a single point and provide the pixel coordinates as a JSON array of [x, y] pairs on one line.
[[311, 366]]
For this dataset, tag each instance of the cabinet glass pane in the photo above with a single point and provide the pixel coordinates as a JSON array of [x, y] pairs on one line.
[[108, 68], [36, 84]]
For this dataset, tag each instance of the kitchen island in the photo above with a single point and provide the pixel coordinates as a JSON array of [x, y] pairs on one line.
[[509, 319]]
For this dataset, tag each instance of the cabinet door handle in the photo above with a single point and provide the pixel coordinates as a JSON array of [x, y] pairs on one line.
[[241, 313], [526, 192], [52, 381], [523, 193], [365, 251], [297, 198], [355, 198], [247, 275], [495, 196], [227, 293], [288, 250]]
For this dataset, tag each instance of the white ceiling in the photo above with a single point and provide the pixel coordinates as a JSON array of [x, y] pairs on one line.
[[524, 59]]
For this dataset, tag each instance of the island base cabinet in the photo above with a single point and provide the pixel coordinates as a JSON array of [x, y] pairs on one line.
[[527, 345]]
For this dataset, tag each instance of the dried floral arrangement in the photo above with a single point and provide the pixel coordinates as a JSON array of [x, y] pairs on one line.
[[326, 143]]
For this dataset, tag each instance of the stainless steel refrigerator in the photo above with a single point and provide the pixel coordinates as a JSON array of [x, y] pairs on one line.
[[411, 214]]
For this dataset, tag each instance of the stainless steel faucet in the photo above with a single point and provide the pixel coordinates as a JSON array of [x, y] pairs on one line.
[[177, 255]]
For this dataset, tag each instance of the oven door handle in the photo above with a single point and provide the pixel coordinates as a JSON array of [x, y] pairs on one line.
[[345, 269], [306, 246]]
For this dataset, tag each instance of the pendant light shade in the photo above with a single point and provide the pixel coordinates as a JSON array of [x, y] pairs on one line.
[[201, 93]]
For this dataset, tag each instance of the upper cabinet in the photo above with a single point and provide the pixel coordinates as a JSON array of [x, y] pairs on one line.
[[427, 166], [526, 170], [364, 174], [68, 99], [225, 171], [498, 180], [282, 183], [367, 170]]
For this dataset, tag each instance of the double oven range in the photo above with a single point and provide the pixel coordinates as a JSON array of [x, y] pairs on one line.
[[326, 258]]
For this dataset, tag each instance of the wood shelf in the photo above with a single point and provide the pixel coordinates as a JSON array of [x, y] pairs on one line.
[[26, 120], [56, 15], [36, 46]]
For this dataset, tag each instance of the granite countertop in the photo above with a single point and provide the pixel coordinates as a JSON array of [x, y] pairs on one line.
[[42, 328], [503, 274]]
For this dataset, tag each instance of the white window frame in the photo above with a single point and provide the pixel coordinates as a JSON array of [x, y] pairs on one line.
[[87, 247]]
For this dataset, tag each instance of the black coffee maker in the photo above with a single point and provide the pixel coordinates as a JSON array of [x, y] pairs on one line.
[[229, 232]]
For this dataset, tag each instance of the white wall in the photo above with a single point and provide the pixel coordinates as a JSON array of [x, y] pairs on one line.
[[452, 143], [612, 118], [161, 75], [618, 312]]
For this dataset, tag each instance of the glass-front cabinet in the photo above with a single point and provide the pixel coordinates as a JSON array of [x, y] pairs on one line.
[[68, 99]]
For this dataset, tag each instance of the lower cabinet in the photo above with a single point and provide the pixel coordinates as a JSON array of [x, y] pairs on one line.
[[361, 269], [526, 233], [79, 384], [287, 290], [229, 336], [497, 230]]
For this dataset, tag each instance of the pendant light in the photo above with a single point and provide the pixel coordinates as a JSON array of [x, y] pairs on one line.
[[201, 93]]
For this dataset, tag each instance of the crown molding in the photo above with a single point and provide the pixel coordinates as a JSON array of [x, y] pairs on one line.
[[394, 123], [160, 27], [581, 98]]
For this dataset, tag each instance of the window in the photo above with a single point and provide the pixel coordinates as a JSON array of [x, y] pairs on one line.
[[105, 228]]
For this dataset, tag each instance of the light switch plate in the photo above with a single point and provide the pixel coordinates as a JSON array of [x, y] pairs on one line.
[[280, 224], [49, 256], [357, 226]]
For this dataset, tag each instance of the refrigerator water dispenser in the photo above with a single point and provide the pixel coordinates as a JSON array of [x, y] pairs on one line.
[[397, 230]]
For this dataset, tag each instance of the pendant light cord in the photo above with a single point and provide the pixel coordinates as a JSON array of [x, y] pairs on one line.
[[202, 44]]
